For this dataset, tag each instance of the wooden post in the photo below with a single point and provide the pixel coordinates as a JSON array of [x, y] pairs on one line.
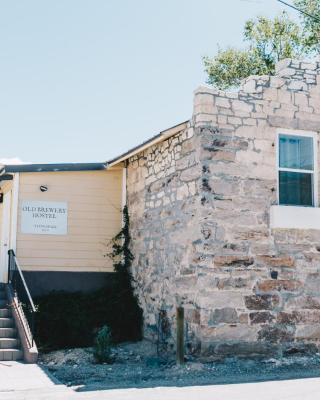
[[180, 335]]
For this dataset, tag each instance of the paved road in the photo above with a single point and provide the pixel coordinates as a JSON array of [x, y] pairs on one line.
[[304, 389], [29, 382]]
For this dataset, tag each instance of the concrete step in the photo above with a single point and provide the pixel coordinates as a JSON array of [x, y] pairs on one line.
[[6, 323], [5, 312], [9, 343], [8, 332], [3, 303], [10, 354]]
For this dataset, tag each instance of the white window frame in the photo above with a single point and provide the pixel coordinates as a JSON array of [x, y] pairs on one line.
[[314, 136]]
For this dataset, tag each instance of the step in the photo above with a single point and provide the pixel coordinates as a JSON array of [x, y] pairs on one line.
[[9, 343], [8, 332], [3, 303], [5, 312], [10, 354], [6, 323], [3, 295]]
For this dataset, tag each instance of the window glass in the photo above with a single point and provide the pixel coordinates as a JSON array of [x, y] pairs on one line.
[[295, 152], [295, 188]]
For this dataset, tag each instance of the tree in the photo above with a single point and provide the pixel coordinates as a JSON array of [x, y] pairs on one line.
[[310, 23], [268, 42], [230, 66]]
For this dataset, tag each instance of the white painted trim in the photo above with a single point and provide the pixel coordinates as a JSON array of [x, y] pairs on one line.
[[14, 212], [123, 193], [124, 187], [5, 235], [294, 217], [314, 136]]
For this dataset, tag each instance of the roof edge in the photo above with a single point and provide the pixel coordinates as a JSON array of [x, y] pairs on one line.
[[160, 137], [60, 167]]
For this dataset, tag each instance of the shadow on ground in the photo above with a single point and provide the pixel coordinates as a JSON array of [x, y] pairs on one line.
[[137, 366]]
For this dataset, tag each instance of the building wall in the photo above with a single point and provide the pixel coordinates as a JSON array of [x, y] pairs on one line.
[[94, 216], [163, 208], [200, 214]]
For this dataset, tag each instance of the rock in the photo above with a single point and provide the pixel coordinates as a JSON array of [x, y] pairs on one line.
[[262, 302], [270, 285], [224, 315], [261, 317], [276, 261], [277, 333], [236, 261]]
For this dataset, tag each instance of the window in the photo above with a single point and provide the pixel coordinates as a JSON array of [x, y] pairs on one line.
[[296, 168]]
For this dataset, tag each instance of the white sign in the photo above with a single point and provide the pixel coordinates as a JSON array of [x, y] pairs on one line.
[[44, 217]]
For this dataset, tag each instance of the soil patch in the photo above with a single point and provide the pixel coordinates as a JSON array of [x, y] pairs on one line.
[[137, 365]]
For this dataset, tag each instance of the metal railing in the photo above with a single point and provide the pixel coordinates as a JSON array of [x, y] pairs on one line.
[[22, 298]]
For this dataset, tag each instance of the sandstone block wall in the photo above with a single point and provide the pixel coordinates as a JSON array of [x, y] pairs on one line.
[[199, 204]]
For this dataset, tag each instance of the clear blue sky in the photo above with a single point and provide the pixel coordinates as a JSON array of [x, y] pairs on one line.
[[84, 80]]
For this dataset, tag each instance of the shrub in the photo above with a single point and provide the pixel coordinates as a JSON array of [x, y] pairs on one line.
[[102, 345]]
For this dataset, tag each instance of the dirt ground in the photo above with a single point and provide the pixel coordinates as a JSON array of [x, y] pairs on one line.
[[137, 365]]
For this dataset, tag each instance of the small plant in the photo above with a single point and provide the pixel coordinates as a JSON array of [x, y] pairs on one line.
[[102, 345]]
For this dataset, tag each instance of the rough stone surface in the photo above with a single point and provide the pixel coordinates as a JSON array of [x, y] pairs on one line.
[[199, 205]]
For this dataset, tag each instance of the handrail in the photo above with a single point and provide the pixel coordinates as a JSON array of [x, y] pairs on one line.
[[24, 284], [21, 292]]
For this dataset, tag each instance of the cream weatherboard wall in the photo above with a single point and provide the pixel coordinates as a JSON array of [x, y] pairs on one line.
[[94, 201]]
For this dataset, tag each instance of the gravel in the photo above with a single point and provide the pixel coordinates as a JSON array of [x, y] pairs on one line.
[[137, 365]]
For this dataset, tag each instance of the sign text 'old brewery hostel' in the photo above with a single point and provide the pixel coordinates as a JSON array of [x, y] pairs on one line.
[[44, 218]]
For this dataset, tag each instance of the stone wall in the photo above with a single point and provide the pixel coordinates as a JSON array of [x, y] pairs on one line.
[[200, 207]]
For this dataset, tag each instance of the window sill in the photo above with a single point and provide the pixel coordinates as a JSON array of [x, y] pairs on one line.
[[294, 217]]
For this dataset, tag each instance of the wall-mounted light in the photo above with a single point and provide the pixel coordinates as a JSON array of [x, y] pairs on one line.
[[43, 188]]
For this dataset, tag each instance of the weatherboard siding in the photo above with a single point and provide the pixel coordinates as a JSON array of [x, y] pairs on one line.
[[94, 217]]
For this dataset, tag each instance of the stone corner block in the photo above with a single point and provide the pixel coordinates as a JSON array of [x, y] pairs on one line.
[[283, 64]]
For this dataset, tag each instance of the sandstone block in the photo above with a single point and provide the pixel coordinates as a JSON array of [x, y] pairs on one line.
[[262, 302], [261, 317], [233, 260], [193, 316], [297, 85], [203, 98], [309, 66], [277, 333], [239, 105], [238, 332], [222, 102], [276, 261], [312, 284], [182, 192], [190, 174], [308, 332], [250, 86], [276, 82], [282, 122], [186, 161], [221, 299], [280, 65], [187, 147], [286, 72], [300, 99], [234, 120], [243, 349], [225, 315], [271, 285], [270, 94]]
